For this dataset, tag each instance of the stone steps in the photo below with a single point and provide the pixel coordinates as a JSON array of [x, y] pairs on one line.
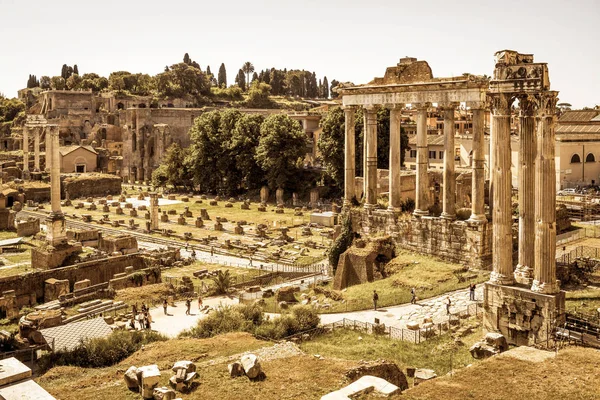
[[51, 305], [96, 304], [112, 306]]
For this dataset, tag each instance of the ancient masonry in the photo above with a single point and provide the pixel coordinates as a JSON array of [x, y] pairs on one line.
[[524, 304], [411, 82]]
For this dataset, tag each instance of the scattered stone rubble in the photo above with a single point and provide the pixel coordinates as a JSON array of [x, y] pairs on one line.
[[493, 343], [248, 365], [183, 380], [382, 369]]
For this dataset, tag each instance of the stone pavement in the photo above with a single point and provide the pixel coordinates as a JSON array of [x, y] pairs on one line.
[[176, 321], [398, 316]]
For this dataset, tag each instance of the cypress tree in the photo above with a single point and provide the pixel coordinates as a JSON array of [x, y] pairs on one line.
[[222, 79], [186, 58], [325, 91], [75, 69]]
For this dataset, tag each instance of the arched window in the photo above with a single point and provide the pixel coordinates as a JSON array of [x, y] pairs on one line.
[[590, 158], [575, 159], [120, 106]]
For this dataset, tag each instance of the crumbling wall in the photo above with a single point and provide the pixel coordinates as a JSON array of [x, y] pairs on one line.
[[462, 242], [124, 244], [357, 264], [91, 185], [28, 227]]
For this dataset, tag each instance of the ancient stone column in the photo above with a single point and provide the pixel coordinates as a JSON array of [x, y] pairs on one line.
[[449, 195], [56, 233], [26, 129], [544, 273], [349, 156], [422, 186], [48, 156], [502, 272], [153, 210], [395, 190], [527, 155], [36, 150], [371, 158], [478, 172]]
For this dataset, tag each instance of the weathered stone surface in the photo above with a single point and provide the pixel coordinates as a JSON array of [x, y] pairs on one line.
[[187, 365], [482, 350], [287, 294], [164, 393], [251, 365], [364, 385], [356, 265], [385, 370], [235, 369], [423, 374], [131, 379], [148, 377], [496, 340]]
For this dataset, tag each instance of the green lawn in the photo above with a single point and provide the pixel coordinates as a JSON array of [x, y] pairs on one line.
[[586, 301], [428, 275], [440, 354]]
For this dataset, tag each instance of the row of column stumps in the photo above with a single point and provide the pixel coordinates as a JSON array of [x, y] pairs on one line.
[[36, 147], [422, 181], [537, 189]]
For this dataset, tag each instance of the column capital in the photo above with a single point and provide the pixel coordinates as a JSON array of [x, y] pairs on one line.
[[528, 104], [370, 107], [452, 105], [501, 103], [547, 103], [349, 108], [422, 106]]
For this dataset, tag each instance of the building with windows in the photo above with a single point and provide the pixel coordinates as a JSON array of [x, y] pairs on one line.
[[79, 159]]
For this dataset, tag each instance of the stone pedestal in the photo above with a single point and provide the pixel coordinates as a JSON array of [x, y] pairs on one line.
[[524, 317]]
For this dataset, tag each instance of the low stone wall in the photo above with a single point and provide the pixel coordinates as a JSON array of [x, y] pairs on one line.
[[460, 242], [30, 287], [28, 227], [91, 185]]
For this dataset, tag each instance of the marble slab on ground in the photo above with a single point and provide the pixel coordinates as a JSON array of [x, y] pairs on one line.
[[25, 390], [13, 370], [526, 353]]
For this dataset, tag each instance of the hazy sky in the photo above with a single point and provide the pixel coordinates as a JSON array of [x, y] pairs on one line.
[[347, 40]]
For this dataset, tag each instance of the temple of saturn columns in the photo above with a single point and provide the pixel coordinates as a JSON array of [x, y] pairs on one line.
[[524, 303]]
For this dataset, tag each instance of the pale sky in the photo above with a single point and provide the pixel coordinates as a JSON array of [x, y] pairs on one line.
[[347, 40]]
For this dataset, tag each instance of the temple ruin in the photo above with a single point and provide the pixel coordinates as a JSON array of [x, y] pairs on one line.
[[524, 303]]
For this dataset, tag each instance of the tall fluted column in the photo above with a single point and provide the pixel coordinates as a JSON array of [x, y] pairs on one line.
[[527, 150], [26, 129], [349, 156], [422, 189], [371, 158], [449, 195], [502, 272], [56, 232], [544, 273], [48, 155], [478, 172], [395, 188], [36, 149]]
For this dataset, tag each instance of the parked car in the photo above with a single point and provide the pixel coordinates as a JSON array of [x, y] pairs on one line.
[[566, 192]]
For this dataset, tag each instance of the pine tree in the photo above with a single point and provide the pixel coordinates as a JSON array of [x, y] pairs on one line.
[[186, 59], [222, 79], [255, 77], [325, 91], [75, 69]]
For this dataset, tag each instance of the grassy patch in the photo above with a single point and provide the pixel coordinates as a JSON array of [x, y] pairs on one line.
[[430, 276], [586, 301], [238, 274], [571, 375], [301, 377], [439, 354]]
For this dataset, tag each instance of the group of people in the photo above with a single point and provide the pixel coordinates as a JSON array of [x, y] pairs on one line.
[[188, 305], [143, 317], [413, 297]]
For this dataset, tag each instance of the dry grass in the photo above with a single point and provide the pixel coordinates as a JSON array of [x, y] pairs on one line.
[[148, 294], [301, 377], [573, 374], [585, 301]]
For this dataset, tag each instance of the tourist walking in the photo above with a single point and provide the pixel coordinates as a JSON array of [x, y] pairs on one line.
[[413, 296], [188, 304], [199, 303], [165, 306], [375, 299], [140, 318], [448, 304], [472, 292]]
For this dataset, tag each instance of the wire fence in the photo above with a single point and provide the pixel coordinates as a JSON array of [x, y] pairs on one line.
[[579, 253], [418, 335]]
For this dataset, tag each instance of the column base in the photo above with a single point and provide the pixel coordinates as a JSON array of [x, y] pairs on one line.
[[450, 217], [26, 175], [523, 275], [394, 210], [421, 213], [545, 287], [369, 206], [477, 218], [501, 279]]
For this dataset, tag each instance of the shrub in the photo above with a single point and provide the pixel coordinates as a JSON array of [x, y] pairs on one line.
[[306, 316], [222, 281], [408, 205], [342, 242], [240, 318], [102, 352], [302, 318]]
